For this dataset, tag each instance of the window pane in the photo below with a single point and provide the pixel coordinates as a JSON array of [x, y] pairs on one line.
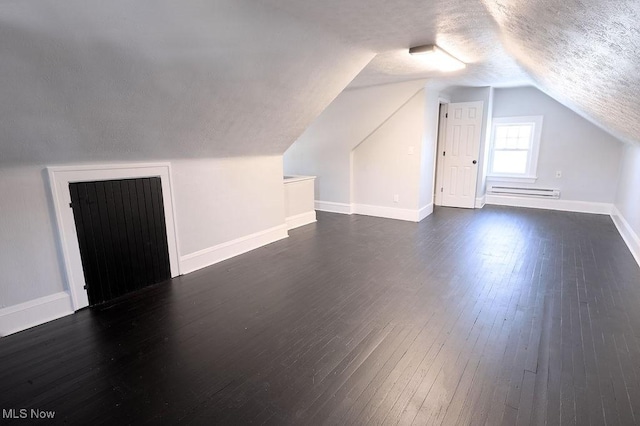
[[513, 131], [500, 143], [524, 136], [513, 136], [510, 162], [501, 132]]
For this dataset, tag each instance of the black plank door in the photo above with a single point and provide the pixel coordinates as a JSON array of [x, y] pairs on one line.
[[122, 235]]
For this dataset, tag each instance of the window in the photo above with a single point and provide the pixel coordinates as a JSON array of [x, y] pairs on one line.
[[514, 148]]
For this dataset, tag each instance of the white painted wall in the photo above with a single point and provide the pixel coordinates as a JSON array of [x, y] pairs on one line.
[[298, 196], [216, 201], [627, 202], [219, 200], [324, 149], [429, 146], [29, 262], [587, 156], [628, 194], [382, 164], [481, 188]]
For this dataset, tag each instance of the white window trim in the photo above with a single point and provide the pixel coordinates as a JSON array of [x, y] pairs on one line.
[[532, 165], [513, 179]]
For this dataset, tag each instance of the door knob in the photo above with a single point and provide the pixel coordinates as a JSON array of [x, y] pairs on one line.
[[475, 162]]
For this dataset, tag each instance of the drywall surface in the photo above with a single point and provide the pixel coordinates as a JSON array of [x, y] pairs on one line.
[[484, 94], [298, 197], [330, 164], [587, 156], [28, 238], [387, 163], [628, 196], [324, 149], [429, 145], [583, 53], [96, 81], [219, 200], [86, 81], [215, 201], [481, 188], [465, 29]]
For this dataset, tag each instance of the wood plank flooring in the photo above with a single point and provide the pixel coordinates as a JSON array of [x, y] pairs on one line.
[[472, 317]]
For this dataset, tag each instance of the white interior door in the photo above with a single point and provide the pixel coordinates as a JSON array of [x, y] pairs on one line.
[[462, 149]]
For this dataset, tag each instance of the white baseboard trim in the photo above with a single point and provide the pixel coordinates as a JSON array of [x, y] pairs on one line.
[[331, 207], [207, 257], [425, 211], [34, 312], [387, 212], [480, 202], [301, 219], [550, 204], [628, 234]]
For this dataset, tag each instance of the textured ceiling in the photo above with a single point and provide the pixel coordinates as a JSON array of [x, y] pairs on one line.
[[463, 28], [583, 53], [88, 80]]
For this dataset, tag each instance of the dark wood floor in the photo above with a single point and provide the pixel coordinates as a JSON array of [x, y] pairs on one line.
[[494, 316]]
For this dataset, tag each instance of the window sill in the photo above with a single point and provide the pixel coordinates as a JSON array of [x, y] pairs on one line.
[[517, 179]]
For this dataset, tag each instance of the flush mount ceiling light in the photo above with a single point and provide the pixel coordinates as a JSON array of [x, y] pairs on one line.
[[437, 57]]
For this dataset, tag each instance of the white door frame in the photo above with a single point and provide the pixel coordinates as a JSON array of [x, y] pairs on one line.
[[59, 179], [440, 141], [445, 160]]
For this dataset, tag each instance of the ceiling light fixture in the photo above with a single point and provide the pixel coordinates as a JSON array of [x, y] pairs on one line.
[[437, 57]]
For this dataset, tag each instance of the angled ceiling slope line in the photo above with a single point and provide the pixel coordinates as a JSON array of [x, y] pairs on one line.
[[94, 81], [583, 53]]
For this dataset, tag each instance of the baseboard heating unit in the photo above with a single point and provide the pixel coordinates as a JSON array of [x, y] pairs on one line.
[[524, 192]]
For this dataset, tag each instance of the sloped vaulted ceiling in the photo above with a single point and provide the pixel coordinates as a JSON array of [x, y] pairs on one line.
[[93, 80], [584, 53], [89, 80]]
